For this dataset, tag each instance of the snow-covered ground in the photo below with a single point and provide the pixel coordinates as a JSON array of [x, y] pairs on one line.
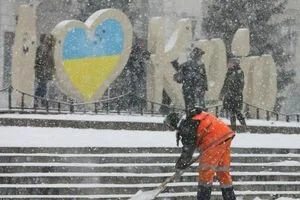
[[134, 118], [68, 137]]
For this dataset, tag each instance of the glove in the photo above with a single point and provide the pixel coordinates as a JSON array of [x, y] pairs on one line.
[[181, 164], [185, 158]]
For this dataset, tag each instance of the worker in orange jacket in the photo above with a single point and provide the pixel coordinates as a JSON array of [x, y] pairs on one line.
[[212, 137]]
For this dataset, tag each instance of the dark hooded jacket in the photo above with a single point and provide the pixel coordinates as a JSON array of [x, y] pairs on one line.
[[191, 74], [232, 91]]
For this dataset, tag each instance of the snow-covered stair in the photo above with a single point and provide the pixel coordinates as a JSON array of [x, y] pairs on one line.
[[118, 173]]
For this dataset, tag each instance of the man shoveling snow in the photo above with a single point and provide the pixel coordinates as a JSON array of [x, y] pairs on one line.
[[212, 138]]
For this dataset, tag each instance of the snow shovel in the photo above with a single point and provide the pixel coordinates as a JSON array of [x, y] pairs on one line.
[[151, 194]]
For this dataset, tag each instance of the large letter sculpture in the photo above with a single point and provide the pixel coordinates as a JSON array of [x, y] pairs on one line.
[[160, 73], [90, 55], [260, 72], [215, 63], [23, 56]]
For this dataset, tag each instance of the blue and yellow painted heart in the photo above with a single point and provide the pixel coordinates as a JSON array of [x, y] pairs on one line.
[[90, 55]]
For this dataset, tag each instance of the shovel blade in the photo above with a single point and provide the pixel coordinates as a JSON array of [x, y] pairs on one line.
[[146, 195]]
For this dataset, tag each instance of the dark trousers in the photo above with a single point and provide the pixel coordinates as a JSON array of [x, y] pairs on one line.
[[201, 98], [189, 99], [40, 91], [237, 114], [193, 98]]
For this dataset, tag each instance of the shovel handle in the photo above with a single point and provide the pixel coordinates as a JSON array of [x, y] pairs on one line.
[[170, 179], [178, 173]]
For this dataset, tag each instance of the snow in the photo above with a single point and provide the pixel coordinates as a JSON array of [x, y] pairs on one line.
[[133, 118], [98, 185], [145, 195], [69, 137], [103, 174], [57, 164], [89, 117], [60, 137]]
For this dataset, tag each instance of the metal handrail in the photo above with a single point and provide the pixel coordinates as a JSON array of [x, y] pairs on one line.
[[218, 108]]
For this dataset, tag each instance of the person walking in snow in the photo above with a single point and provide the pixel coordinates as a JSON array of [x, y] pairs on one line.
[[192, 75], [212, 137], [232, 92], [44, 66]]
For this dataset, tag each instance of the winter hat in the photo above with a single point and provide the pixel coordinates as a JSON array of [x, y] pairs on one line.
[[172, 119], [196, 52], [235, 60], [195, 111]]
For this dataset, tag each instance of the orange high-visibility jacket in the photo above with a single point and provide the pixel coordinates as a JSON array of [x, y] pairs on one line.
[[211, 131]]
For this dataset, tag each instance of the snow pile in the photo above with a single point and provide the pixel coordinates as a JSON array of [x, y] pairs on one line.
[[148, 195]]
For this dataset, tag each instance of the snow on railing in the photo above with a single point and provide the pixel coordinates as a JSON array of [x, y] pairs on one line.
[[127, 103]]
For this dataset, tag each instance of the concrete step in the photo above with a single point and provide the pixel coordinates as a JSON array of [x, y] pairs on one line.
[[95, 189], [34, 121], [134, 158], [289, 166], [164, 196], [118, 173], [244, 195], [112, 150], [129, 178]]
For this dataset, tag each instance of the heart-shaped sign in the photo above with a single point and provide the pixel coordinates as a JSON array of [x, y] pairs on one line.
[[89, 56]]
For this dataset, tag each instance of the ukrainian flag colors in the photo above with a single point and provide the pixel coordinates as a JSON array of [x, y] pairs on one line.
[[89, 60]]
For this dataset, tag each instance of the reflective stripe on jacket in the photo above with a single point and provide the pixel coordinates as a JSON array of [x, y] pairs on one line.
[[211, 131]]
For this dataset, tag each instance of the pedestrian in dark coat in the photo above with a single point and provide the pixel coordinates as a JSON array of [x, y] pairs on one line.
[[44, 65], [136, 72], [232, 92], [192, 75]]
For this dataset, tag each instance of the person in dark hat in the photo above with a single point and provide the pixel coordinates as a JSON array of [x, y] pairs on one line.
[[192, 76], [232, 92], [202, 131]]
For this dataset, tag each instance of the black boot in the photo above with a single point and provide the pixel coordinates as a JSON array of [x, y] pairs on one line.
[[203, 192], [233, 122], [242, 120], [244, 128], [228, 193]]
